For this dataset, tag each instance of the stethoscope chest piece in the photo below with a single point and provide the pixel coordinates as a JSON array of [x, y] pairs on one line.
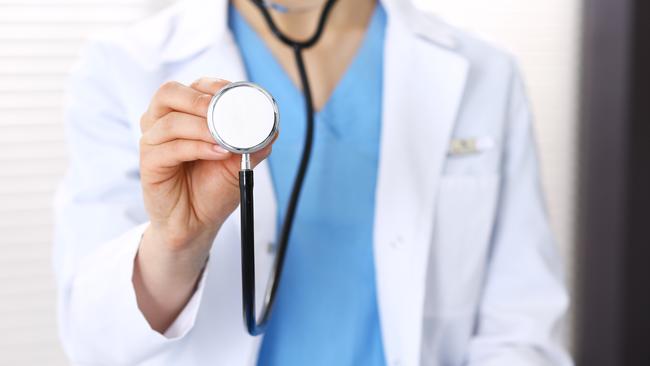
[[243, 117]]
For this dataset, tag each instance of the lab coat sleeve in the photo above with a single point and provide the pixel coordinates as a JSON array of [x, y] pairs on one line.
[[100, 219], [524, 302]]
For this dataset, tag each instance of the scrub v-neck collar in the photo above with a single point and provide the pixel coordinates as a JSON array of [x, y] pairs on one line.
[[345, 83]]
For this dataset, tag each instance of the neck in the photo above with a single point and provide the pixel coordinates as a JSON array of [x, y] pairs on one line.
[[346, 15]]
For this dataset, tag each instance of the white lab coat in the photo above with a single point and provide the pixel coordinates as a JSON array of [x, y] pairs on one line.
[[466, 269]]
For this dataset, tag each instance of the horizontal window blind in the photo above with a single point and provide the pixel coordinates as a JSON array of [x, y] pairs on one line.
[[39, 42]]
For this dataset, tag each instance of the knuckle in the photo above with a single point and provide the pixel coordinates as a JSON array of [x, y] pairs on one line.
[[195, 148], [148, 139], [145, 158], [201, 101], [169, 86], [164, 92], [166, 124], [197, 83], [159, 132], [143, 121], [145, 141]]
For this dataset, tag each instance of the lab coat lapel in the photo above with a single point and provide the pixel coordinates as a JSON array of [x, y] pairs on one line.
[[423, 87]]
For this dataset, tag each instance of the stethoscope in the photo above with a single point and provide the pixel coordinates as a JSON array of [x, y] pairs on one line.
[[244, 118]]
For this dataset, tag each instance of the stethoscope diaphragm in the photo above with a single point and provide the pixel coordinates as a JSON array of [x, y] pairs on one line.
[[243, 117]]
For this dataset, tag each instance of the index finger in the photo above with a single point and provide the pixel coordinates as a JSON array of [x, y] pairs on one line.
[[174, 96], [209, 85]]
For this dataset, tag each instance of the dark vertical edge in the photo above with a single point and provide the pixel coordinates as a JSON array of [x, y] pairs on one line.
[[599, 300], [637, 268]]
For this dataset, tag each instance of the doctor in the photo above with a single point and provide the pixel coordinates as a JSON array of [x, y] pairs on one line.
[[420, 238]]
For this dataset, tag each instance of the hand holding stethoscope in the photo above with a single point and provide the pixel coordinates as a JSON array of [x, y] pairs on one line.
[[189, 182], [190, 187]]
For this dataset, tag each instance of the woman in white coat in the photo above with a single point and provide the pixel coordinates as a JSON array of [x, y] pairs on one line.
[[459, 258]]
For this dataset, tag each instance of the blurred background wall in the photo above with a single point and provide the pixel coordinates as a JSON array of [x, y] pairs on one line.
[[39, 40]]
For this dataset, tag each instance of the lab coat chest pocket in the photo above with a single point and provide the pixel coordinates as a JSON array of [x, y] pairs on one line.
[[464, 219]]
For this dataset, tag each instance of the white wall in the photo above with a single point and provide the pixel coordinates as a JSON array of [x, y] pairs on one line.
[[38, 43], [39, 40]]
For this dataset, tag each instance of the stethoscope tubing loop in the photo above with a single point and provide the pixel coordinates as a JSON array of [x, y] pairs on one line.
[[256, 326]]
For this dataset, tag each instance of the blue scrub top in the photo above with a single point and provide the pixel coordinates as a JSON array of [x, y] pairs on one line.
[[326, 309]]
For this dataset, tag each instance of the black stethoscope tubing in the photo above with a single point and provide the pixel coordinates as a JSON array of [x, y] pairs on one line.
[[253, 326]]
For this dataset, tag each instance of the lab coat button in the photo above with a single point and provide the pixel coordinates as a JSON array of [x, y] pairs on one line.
[[270, 247]]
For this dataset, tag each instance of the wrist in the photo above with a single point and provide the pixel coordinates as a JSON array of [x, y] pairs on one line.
[[165, 280], [177, 256]]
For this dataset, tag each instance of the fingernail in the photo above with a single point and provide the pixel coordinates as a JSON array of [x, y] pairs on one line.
[[219, 150]]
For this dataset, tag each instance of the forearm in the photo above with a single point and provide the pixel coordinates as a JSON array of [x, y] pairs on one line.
[[165, 279]]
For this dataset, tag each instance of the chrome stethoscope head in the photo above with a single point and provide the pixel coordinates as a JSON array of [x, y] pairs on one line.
[[243, 118]]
